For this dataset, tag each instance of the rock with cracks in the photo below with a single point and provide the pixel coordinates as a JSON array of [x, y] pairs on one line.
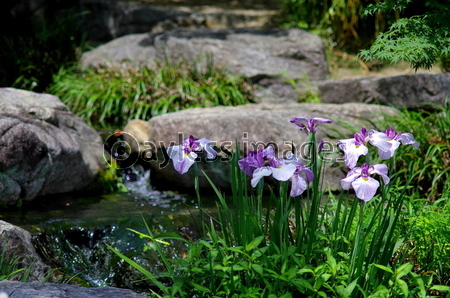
[[16, 246], [251, 53], [44, 148]]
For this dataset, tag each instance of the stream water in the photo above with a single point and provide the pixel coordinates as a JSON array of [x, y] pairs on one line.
[[73, 231]]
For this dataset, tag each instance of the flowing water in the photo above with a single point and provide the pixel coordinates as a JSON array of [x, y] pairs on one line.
[[73, 231]]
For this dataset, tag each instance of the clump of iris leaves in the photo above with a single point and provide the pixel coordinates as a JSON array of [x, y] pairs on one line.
[[395, 246]]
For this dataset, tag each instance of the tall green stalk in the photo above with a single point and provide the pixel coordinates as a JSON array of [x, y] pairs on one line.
[[199, 199], [358, 251], [316, 196]]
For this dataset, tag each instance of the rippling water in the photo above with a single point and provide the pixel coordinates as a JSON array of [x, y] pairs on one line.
[[72, 230]]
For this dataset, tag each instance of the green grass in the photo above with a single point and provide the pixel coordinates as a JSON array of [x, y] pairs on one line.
[[428, 247], [108, 97]]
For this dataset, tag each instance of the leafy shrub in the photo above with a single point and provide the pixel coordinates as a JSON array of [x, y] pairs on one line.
[[111, 96], [428, 245], [430, 164], [419, 39]]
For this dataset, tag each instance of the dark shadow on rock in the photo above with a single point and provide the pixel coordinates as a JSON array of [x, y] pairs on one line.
[[210, 33], [224, 33]]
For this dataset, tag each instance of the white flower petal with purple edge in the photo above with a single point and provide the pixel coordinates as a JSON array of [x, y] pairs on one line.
[[382, 170], [259, 173], [352, 175], [284, 172], [298, 185], [268, 152], [176, 152], [183, 165], [321, 120], [291, 158], [352, 151], [385, 154], [379, 140], [408, 139], [365, 188], [205, 144]]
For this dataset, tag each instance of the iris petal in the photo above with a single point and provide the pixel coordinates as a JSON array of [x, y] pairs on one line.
[[259, 173], [284, 173], [298, 185], [365, 188]]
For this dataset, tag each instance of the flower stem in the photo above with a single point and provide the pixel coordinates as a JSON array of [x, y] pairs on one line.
[[199, 201], [358, 254], [315, 204]]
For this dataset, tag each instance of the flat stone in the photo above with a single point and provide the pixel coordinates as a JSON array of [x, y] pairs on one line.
[[419, 91]]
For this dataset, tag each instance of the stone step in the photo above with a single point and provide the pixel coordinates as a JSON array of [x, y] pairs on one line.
[[107, 20]]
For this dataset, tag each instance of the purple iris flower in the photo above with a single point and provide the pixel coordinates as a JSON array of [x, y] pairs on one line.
[[309, 125], [355, 147], [255, 160], [299, 183], [387, 142], [365, 186], [264, 163], [183, 156], [279, 168]]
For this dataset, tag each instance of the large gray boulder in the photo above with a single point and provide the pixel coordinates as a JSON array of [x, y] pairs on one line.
[[16, 246], [44, 148], [407, 91], [17, 289], [254, 126], [251, 53]]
